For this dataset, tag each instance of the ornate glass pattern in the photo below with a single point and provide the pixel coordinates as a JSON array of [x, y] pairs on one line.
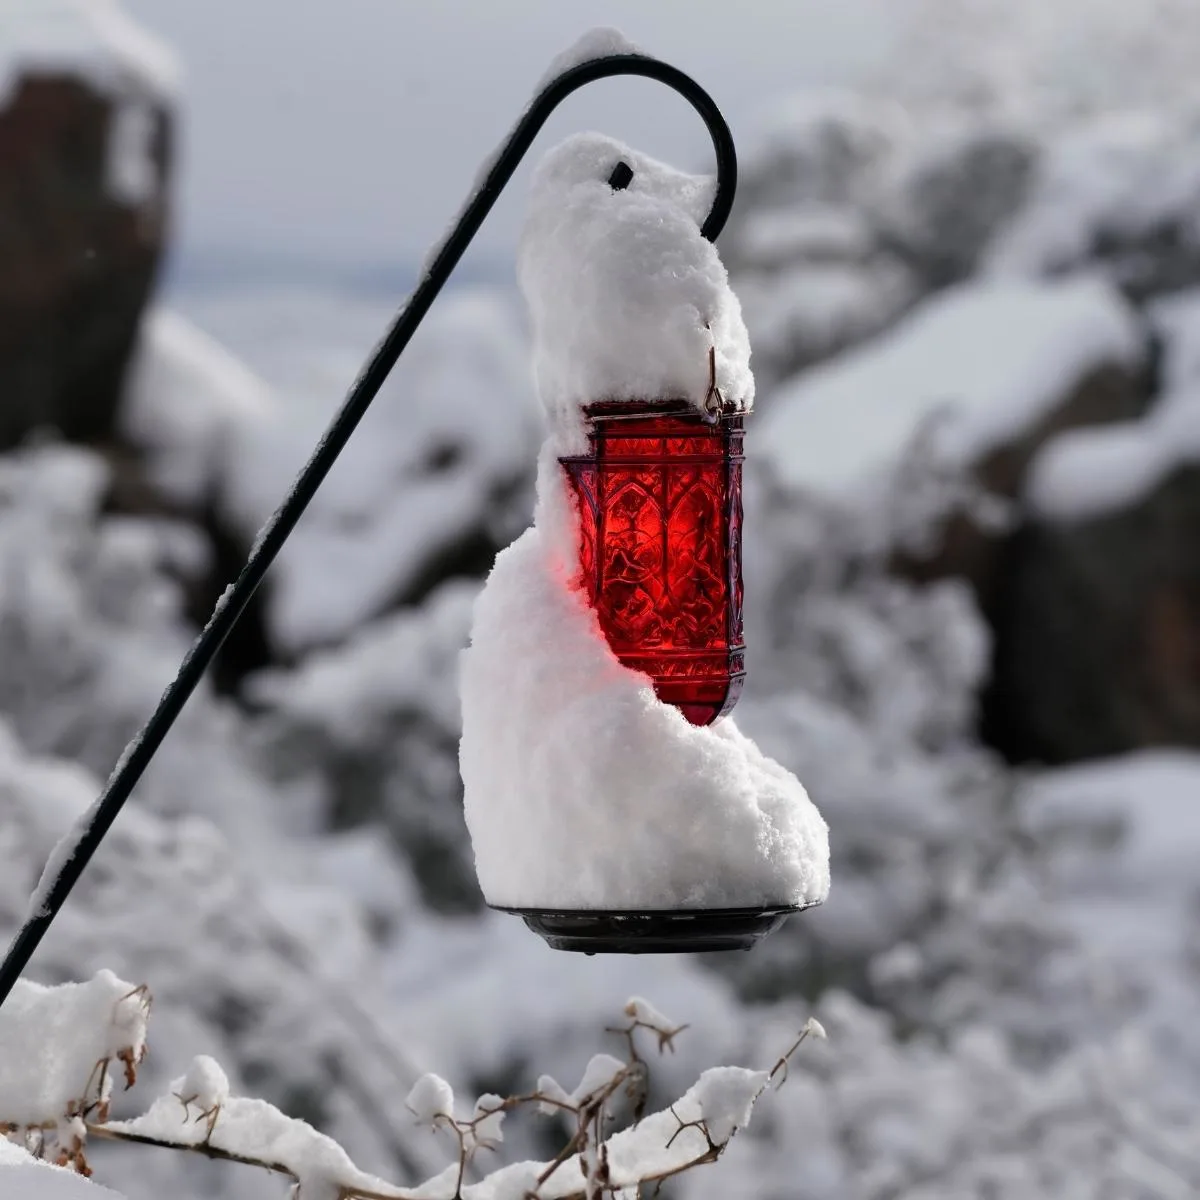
[[660, 553]]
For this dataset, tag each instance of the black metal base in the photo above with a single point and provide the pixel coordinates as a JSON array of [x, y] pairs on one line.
[[670, 931]]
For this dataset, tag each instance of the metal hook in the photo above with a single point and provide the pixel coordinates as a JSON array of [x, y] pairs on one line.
[[277, 529]]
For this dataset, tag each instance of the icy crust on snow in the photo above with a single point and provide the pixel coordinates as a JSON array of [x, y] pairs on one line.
[[583, 790], [626, 297], [94, 38], [990, 358], [52, 1038]]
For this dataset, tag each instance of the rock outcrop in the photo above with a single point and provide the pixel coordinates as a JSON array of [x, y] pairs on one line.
[[83, 218]]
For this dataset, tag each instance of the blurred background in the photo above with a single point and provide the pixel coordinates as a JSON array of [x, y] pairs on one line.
[[967, 245]]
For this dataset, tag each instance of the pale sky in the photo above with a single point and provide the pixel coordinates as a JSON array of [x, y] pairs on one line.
[[351, 129]]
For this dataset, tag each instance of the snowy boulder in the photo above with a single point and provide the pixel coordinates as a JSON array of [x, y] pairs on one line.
[[85, 136], [1088, 203], [807, 310], [1098, 636], [997, 364], [949, 196], [426, 490], [976, 378], [803, 243], [373, 726], [185, 404], [822, 146]]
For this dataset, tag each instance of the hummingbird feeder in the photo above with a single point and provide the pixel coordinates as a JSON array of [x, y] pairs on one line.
[[658, 494]]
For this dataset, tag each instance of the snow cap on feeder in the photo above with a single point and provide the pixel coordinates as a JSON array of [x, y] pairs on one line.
[[606, 802], [638, 333]]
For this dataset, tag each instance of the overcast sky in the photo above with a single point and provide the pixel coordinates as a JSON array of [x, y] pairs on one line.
[[349, 130]]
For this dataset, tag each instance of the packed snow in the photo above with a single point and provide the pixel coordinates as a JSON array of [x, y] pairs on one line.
[[1090, 472], [627, 299], [989, 359]]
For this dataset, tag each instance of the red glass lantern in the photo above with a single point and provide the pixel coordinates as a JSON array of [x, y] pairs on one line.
[[660, 507]]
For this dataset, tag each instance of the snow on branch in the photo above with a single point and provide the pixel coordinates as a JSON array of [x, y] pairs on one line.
[[57, 1050], [56, 1045]]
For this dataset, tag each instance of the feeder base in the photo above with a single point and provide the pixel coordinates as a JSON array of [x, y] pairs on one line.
[[668, 931]]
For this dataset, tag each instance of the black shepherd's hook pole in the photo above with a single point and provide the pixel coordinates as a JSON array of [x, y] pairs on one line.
[[93, 828]]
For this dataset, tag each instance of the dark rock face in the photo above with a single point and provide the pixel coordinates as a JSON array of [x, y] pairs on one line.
[[984, 556], [1098, 634], [79, 258], [953, 197]]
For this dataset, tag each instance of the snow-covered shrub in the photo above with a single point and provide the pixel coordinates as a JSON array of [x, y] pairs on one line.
[[59, 1044], [370, 730]]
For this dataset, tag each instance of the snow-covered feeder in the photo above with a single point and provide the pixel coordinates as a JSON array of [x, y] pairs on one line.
[[611, 801]]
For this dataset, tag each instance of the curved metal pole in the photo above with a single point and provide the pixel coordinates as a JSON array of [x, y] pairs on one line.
[[61, 876]]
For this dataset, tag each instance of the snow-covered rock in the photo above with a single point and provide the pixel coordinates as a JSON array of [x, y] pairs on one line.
[[86, 102], [1089, 205], [994, 365], [1100, 630], [427, 486], [92, 40], [371, 729], [804, 246]]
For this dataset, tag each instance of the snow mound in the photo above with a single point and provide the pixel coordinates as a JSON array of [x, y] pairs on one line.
[[627, 298], [92, 38], [992, 358], [582, 790]]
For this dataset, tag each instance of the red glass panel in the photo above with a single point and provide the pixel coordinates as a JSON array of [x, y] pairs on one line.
[[660, 503]]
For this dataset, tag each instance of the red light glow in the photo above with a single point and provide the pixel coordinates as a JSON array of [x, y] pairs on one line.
[[660, 504]]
